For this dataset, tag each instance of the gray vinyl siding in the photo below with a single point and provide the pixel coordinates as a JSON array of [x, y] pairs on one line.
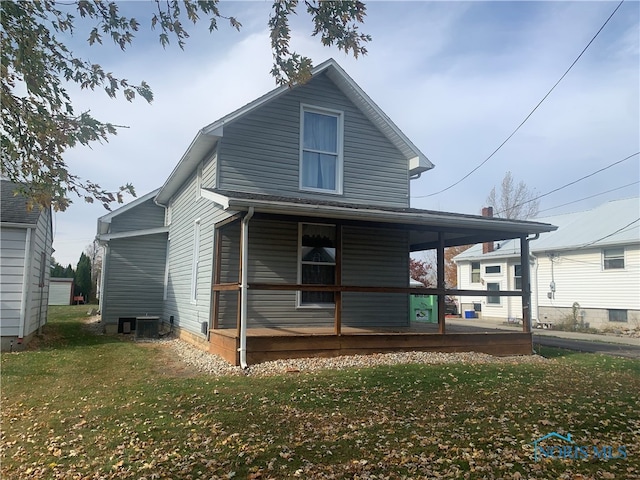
[[142, 217], [39, 293], [134, 281], [371, 257], [12, 259], [12, 251], [186, 207], [375, 257], [259, 152]]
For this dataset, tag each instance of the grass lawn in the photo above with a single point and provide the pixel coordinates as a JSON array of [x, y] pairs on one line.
[[84, 406]]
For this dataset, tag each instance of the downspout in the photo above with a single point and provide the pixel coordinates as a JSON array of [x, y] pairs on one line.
[[243, 288], [25, 285]]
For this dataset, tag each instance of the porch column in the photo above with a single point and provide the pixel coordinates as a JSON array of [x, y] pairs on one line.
[[526, 284], [440, 283], [338, 294], [217, 275]]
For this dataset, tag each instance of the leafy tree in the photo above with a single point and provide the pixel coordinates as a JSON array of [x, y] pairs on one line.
[[82, 278], [450, 268], [513, 201], [58, 271], [423, 271], [39, 122]]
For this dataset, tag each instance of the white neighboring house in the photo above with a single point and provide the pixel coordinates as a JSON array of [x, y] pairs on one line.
[[590, 264], [25, 255]]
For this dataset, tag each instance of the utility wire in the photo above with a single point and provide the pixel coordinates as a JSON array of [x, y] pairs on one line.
[[590, 196], [528, 116], [571, 183], [611, 234]]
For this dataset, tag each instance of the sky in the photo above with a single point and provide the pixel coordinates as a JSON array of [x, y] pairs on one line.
[[456, 77]]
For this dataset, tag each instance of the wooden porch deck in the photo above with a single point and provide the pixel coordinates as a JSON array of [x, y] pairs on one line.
[[265, 344]]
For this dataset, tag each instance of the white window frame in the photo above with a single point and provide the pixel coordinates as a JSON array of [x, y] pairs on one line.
[[516, 277], [611, 257], [479, 271], [499, 302], [299, 303], [195, 261], [339, 146], [166, 271], [499, 272]]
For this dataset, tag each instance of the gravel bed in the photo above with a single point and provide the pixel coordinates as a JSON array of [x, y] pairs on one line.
[[214, 365]]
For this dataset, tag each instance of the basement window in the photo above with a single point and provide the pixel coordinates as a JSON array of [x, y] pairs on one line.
[[618, 316]]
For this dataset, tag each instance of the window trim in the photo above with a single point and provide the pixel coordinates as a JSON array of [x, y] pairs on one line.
[[195, 261], [517, 277], [339, 147], [499, 302], [479, 272], [613, 258], [311, 306]]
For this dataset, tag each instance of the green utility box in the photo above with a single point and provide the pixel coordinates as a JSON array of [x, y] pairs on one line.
[[423, 308]]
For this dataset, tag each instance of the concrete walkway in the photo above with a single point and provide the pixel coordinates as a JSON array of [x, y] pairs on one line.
[[589, 337]]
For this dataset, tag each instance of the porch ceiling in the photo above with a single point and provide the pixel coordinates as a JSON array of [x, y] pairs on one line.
[[424, 226]]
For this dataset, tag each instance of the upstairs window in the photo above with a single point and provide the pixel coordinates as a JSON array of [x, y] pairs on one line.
[[317, 262], [613, 258], [492, 269], [321, 150], [475, 272]]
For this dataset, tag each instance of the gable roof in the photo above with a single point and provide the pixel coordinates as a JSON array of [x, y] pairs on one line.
[[105, 220], [13, 208], [613, 223], [208, 136]]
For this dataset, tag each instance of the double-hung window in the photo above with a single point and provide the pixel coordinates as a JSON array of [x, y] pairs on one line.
[[493, 299], [613, 258], [475, 272], [321, 150], [317, 262], [517, 277]]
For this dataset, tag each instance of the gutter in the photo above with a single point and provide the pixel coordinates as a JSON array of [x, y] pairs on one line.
[[243, 288], [25, 285]]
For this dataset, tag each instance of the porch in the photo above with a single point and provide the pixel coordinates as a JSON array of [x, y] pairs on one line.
[[266, 344]]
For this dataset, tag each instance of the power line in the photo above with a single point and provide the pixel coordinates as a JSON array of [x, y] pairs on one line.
[[572, 183], [530, 114], [590, 196], [611, 234]]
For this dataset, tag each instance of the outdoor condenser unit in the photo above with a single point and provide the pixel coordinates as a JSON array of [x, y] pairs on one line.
[[147, 327]]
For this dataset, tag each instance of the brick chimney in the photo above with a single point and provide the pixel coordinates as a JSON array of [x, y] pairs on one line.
[[487, 246]]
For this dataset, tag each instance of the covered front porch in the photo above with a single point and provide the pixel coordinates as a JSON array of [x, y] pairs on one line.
[[257, 337]]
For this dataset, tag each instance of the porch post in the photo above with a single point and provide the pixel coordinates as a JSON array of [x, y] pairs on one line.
[[440, 283], [217, 275], [338, 294], [526, 284]]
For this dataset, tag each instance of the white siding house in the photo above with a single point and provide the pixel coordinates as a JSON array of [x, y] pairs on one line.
[[591, 264], [25, 252]]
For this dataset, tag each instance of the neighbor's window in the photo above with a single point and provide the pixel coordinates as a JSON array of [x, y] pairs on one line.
[[317, 262], [493, 287], [492, 269], [618, 316], [517, 277], [475, 272], [613, 258], [321, 150]]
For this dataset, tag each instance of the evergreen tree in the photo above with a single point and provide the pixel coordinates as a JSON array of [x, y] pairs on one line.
[[83, 277]]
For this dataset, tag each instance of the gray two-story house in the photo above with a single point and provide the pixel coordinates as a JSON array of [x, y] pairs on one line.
[[285, 230]]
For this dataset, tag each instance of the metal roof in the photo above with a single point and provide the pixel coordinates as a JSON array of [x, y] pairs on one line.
[[613, 223]]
